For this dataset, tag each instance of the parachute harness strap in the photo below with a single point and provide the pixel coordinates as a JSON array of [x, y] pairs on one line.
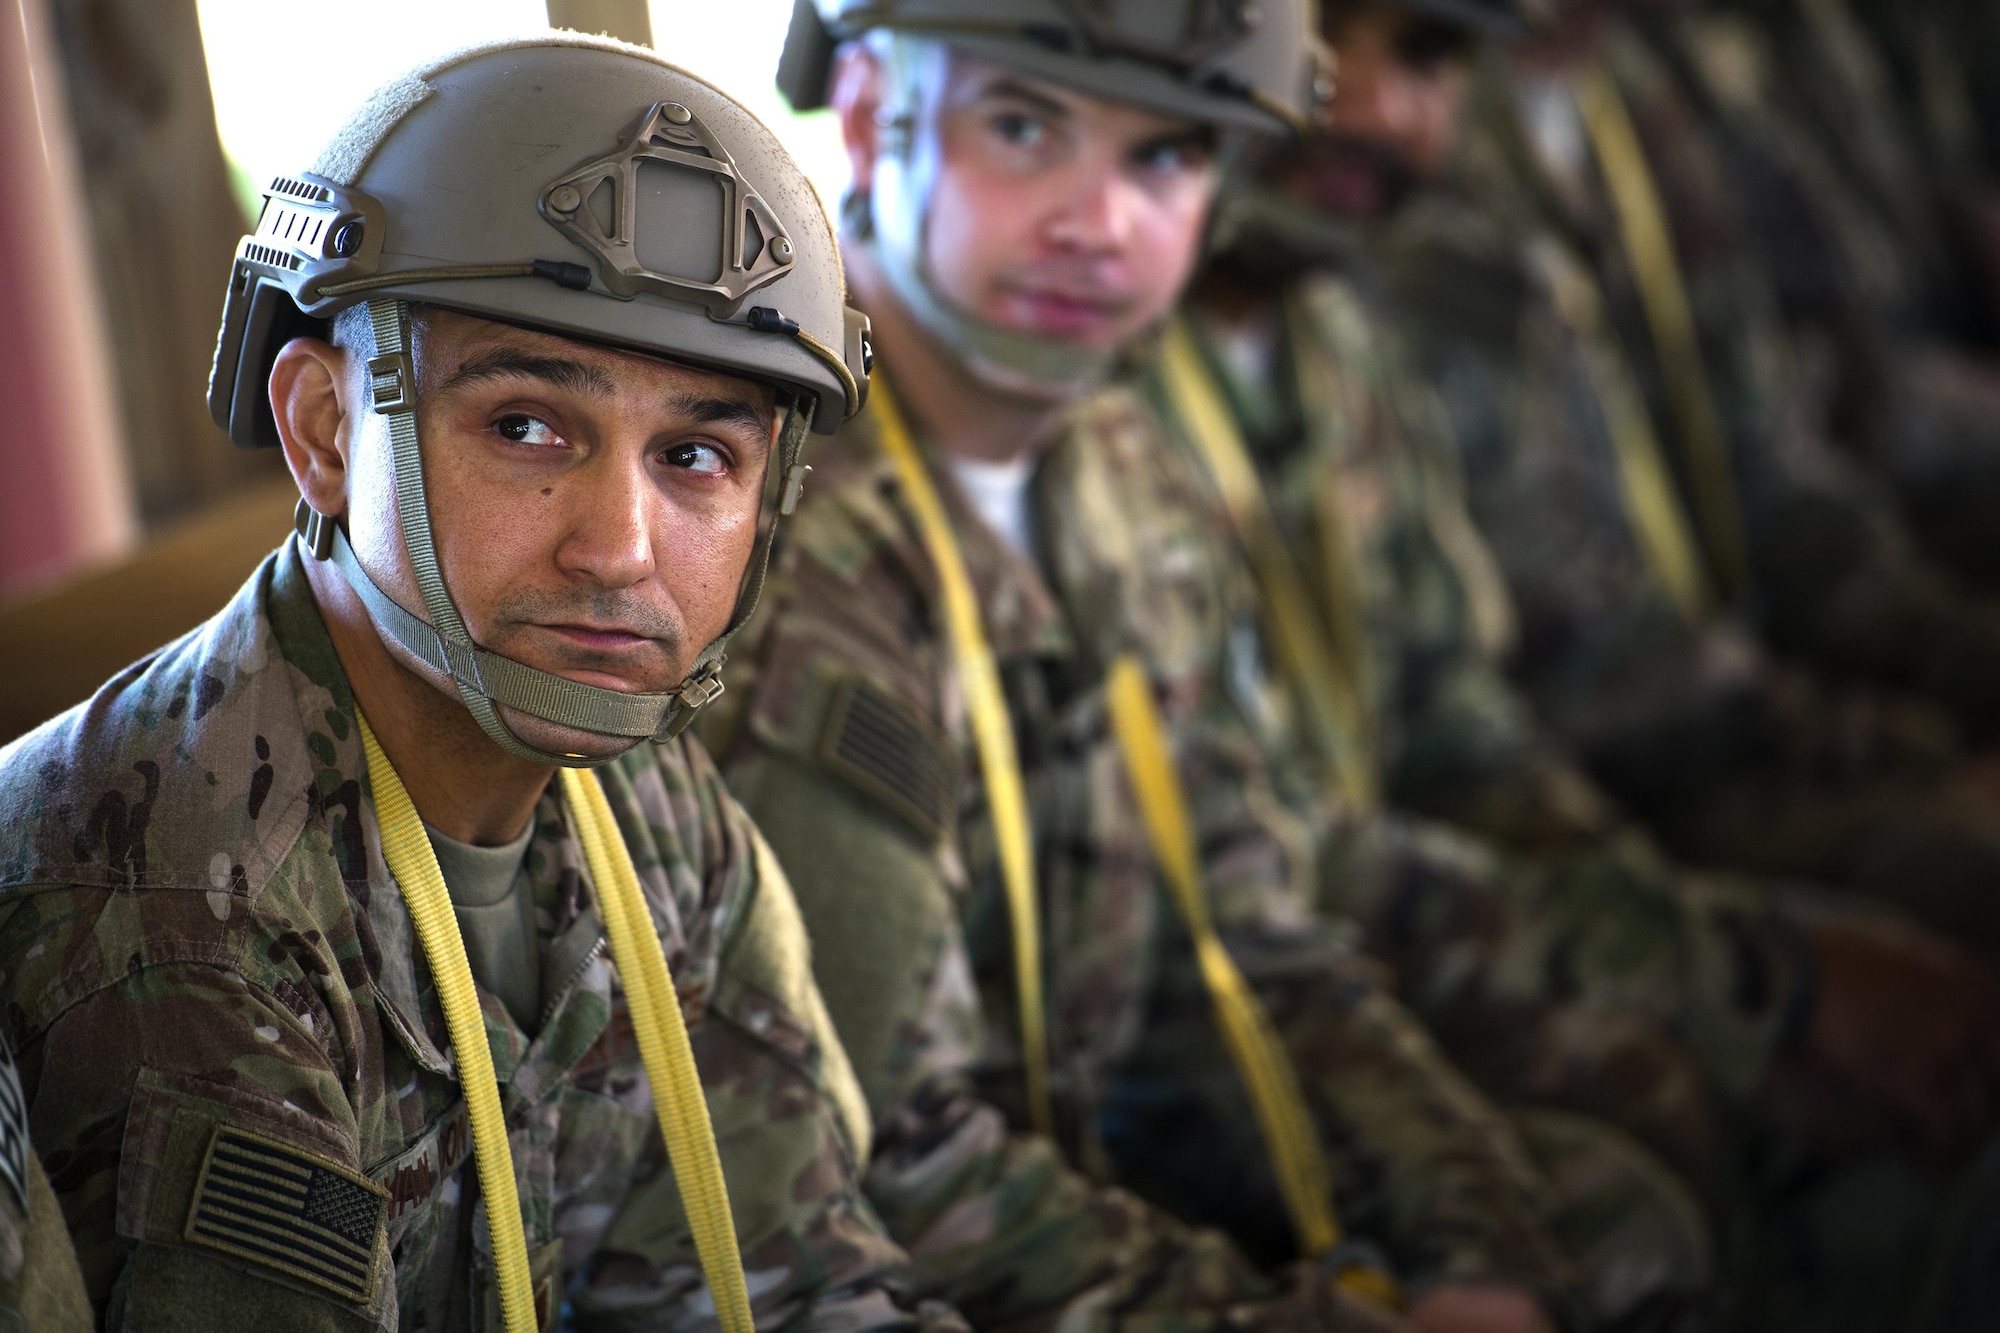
[[1644, 482], [1331, 695], [663, 1047], [1642, 225], [656, 1021], [993, 733], [407, 849], [1290, 1135]]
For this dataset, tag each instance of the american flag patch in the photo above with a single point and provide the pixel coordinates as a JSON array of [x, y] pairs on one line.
[[284, 1208]]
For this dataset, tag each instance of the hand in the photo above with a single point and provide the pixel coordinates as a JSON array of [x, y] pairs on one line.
[[1911, 1021], [1480, 1307], [1312, 1303]]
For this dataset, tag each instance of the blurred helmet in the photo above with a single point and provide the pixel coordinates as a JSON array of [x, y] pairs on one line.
[[1490, 18], [574, 185], [1255, 66]]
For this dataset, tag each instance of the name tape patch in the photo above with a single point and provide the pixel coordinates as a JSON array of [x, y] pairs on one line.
[[287, 1209]]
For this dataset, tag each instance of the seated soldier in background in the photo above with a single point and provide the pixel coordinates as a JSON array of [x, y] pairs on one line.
[[336, 935], [1357, 644], [1330, 447], [1851, 146], [955, 611], [1863, 215], [1638, 452], [1365, 659]]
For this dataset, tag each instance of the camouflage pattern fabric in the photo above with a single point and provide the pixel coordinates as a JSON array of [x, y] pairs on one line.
[[844, 731], [1860, 219], [1352, 454], [1473, 931], [1800, 170], [212, 979], [1601, 981], [1730, 756], [1836, 578]]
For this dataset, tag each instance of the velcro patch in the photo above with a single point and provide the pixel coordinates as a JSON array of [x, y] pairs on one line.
[[884, 747], [416, 1176], [287, 1209]]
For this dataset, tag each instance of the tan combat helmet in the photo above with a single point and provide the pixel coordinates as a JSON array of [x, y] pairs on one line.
[[1255, 66], [574, 185], [1247, 63]]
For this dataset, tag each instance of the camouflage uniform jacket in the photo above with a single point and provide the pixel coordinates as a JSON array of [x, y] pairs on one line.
[[848, 738], [206, 962], [1355, 460], [1591, 975]]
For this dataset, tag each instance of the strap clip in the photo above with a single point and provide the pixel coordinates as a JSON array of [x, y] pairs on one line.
[[391, 382], [795, 488], [703, 688], [315, 528]]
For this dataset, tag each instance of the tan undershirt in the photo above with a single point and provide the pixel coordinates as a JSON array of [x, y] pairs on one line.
[[495, 908]]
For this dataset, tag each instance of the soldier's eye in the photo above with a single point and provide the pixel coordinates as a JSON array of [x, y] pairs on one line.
[[521, 428], [697, 457], [1174, 154], [1019, 129]]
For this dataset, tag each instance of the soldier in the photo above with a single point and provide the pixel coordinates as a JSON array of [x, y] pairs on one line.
[[953, 612], [1810, 547], [1365, 660], [1360, 504], [1362, 641], [1867, 229], [336, 935], [1353, 483], [1607, 515]]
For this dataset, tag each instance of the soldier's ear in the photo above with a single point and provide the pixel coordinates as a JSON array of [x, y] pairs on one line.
[[309, 382], [859, 84]]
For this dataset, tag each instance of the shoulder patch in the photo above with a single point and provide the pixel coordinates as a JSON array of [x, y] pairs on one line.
[[287, 1209], [883, 746]]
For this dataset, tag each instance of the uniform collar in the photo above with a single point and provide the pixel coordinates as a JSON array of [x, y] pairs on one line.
[[1022, 614], [576, 981]]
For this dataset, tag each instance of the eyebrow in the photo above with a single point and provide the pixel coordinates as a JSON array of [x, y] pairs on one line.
[[720, 411], [510, 363], [1006, 87], [582, 377]]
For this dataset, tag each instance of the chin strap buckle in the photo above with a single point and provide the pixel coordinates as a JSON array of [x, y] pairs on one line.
[[698, 691], [703, 688], [315, 528]]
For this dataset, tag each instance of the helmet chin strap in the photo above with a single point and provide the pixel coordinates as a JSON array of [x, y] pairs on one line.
[[899, 201], [485, 679]]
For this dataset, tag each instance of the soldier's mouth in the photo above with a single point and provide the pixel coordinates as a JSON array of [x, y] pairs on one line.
[[600, 638], [1064, 313], [1350, 176], [608, 657]]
